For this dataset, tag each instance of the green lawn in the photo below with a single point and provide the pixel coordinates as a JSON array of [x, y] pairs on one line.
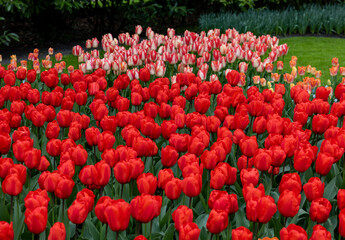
[[315, 51]]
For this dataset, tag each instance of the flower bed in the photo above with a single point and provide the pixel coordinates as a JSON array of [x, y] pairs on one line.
[[172, 137]]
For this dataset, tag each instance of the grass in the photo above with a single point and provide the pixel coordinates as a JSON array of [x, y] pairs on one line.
[[315, 51]]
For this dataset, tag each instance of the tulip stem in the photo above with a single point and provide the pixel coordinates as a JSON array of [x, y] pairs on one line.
[[254, 230], [121, 191], [285, 220], [29, 178], [63, 210], [211, 236], [190, 202], [106, 231], [151, 230], [11, 214], [94, 153], [76, 232], [229, 228], [117, 235]]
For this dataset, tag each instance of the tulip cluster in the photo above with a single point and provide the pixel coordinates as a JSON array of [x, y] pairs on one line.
[[36, 213]]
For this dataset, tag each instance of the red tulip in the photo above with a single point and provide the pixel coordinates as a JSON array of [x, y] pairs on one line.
[[181, 216], [117, 215], [5, 165], [320, 123], [173, 189], [342, 223], [147, 183], [57, 231], [293, 232], [320, 232], [266, 208], [164, 176], [217, 221], [36, 219], [53, 147], [146, 207], [21, 147], [314, 189], [191, 185], [169, 156], [323, 164], [249, 146], [292, 182], [250, 175], [12, 185], [262, 159], [64, 187], [78, 212], [52, 130], [123, 172], [288, 203], [189, 231], [6, 230], [91, 135], [5, 140], [242, 233], [320, 210]]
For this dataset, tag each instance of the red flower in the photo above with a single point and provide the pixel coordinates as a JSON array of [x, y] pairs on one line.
[[250, 175], [233, 77], [320, 232], [144, 74], [91, 135], [320, 123], [117, 215], [52, 130], [342, 223], [191, 185], [164, 176], [54, 147], [173, 188], [36, 219], [262, 159], [217, 221], [57, 231], [147, 183], [242, 233], [293, 232], [78, 212], [146, 207], [123, 172], [6, 231], [106, 140], [12, 185], [314, 189], [64, 187], [266, 208], [249, 146], [288, 203], [181, 216], [340, 199], [320, 210], [292, 182], [189, 231], [5, 140], [323, 164]]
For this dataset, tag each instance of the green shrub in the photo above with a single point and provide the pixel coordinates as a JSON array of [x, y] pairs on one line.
[[315, 19]]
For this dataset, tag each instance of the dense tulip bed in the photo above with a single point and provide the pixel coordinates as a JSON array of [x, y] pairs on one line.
[[195, 137]]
